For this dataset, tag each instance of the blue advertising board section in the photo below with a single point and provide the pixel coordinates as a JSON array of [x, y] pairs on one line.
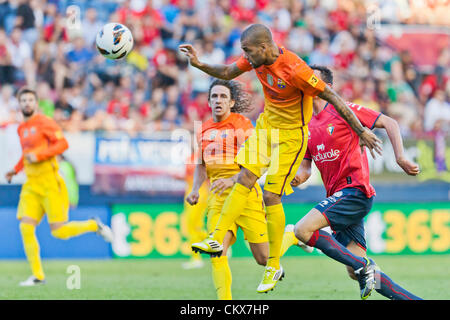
[[139, 165], [86, 246]]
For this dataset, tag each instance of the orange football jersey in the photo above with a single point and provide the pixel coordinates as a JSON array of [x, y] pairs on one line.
[[289, 85], [219, 143], [42, 136]]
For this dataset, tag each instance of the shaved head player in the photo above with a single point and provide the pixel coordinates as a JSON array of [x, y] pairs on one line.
[[279, 141]]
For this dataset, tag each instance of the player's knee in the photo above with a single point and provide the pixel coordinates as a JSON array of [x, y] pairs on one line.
[[300, 232], [351, 273], [59, 233]]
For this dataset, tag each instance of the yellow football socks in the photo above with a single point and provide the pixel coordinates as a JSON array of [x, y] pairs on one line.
[[231, 210], [31, 248], [289, 239], [275, 230], [222, 277], [75, 228]]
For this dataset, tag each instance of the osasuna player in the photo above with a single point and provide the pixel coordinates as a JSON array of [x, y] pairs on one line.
[[344, 169], [220, 139], [278, 144], [44, 191]]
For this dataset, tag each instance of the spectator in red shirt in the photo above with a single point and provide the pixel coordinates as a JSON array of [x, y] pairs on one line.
[[56, 30], [119, 105]]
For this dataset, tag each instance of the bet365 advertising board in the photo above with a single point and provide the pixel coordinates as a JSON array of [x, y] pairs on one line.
[[160, 231]]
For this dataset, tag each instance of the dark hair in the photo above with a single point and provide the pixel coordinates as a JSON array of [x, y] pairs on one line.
[[242, 99], [25, 90], [325, 74]]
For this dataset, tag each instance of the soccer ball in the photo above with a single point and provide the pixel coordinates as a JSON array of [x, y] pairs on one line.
[[114, 41]]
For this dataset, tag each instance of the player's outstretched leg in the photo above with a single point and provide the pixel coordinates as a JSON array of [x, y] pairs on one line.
[[308, 231], [388, 288], [232, 208], [364, 267], [384, 285], [72, 229]]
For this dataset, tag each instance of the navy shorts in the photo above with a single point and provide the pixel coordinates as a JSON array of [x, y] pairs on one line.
[[345, 211]]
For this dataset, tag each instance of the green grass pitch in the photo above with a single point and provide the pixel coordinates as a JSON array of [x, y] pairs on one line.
[[307, 278]]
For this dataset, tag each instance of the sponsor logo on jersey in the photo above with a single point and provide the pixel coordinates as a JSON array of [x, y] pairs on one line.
[[330, 129], [320, 147], [281, 84], [326, 156]]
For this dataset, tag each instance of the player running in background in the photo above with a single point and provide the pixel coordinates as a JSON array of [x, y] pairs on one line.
[[44, 191], [345, 173], [194, 216], [278, 144], [219, 140]]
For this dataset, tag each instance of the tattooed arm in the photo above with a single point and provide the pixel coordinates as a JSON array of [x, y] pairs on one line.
[[225, 72], [367, 137]]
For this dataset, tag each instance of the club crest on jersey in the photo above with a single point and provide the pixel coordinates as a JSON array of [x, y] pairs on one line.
[[270, 79], [281, 84], [330, 129]]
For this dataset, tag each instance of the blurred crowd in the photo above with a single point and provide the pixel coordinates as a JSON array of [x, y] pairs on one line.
[[50, 45]]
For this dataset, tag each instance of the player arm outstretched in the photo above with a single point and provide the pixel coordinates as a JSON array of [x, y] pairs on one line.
[[366, 136], [303, 173], [199, 177], [221, 71], [393, 131]]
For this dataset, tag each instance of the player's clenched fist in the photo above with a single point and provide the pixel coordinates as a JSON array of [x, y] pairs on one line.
[[296, 181], [193, 197], [9, 175], [191, 53], [409, 167]]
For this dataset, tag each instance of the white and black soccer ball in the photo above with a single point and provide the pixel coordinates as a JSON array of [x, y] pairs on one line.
[[114, 41]]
